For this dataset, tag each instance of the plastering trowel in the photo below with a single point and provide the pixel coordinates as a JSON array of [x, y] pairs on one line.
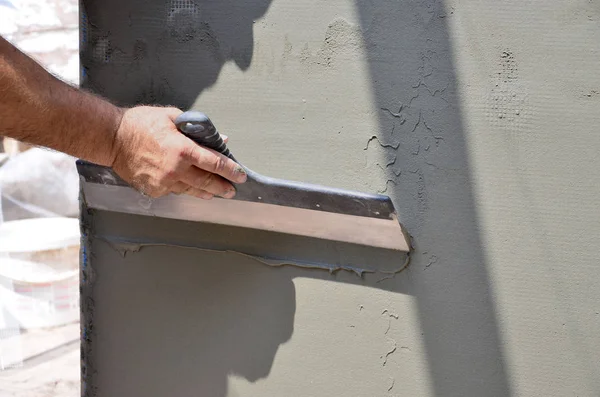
[[260, 203]]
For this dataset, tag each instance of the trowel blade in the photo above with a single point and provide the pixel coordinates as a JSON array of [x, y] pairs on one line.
[[339, 215], [380, 233]]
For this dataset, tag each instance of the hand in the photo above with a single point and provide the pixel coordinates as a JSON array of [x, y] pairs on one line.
[[157, 159]]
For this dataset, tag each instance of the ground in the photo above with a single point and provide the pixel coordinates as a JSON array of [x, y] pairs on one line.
[[50, 365]]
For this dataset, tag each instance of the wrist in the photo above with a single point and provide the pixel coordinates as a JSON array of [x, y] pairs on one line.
[[117, 135]]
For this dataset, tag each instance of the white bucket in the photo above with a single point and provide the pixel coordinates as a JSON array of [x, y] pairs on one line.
[[39, 259]]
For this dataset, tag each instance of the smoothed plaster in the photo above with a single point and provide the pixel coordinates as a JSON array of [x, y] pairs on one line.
[[478, 118]]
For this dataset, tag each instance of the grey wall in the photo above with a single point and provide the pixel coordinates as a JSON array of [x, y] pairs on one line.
[[480, 119]]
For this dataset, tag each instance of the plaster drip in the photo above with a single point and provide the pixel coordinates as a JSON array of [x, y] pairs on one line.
[[125, 246], [392, 274]]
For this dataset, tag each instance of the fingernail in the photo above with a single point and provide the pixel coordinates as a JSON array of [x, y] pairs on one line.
[[242, 176], [229, 193], [224, 137]]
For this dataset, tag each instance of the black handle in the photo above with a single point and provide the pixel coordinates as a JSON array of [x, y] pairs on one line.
[[198, 127]]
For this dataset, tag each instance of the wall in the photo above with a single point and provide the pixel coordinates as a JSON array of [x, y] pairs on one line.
[[477, 118]]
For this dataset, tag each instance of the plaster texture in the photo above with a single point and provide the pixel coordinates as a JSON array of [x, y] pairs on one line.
[[479, 119]]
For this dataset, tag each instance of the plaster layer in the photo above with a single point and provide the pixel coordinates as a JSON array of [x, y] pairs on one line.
[[162, 318], [129, 234], [478, 118]]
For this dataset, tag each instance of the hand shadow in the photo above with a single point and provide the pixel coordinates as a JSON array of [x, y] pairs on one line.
[[172, 52], [164, 327]]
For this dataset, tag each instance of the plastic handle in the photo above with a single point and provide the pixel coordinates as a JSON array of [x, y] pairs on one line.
[[198, 127]]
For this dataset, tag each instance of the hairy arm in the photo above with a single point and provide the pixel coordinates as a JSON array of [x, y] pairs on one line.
[[141, 144], [38, 108]]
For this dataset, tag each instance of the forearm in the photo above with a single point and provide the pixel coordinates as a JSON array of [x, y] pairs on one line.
[[37, 108]]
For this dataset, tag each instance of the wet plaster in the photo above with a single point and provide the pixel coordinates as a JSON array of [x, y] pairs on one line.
[[136, 233], [478, 119], [159, 317]]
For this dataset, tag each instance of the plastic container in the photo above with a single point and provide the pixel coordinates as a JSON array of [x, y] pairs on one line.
[[39, 277]]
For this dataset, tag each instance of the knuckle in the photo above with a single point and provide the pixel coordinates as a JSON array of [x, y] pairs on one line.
[[185, 152], [204, 181], [169, 174], [219, 164]]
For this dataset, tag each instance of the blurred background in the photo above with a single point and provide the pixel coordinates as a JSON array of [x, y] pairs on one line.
[[39, 232]]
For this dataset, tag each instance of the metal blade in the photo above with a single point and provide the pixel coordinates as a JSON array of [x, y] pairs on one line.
[[375, 232]]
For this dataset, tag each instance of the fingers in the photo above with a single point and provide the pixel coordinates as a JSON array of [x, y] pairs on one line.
[[159, 160], [184, 188], [199, 193], [180, 188], [208, 182], [216, 163]]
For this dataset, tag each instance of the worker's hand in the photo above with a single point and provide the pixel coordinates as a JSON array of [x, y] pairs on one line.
[[157, 159]]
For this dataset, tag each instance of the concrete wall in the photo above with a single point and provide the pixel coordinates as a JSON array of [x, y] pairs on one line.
[[480, 119]]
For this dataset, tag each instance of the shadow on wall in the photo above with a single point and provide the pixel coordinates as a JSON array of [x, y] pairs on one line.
[[168, 60], [423, 151], [172, 330], [425, 156]]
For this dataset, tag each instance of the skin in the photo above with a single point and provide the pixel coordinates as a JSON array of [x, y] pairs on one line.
[[141, 144]]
